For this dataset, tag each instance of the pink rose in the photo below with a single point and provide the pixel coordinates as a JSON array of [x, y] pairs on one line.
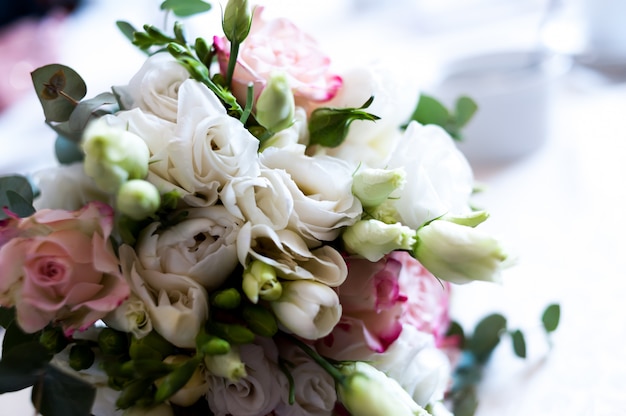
[[60, 266], [280, 45], [428, 299]]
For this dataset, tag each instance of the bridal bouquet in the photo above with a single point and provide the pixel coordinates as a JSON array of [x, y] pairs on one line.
[[239, 230]]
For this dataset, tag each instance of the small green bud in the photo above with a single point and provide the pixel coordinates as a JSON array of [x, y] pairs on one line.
[[234, 333], [210, 344], [156, 34], [373, 186], [260, 281], [152, 345], [260, 320], [226, 299], [133, 391], [81, 357], [203, 50], [237, 20], [53, 339], [373, 239], [112, 342], [177, 50], [162, 409], [138, 199], [275, 107], [149, 368]]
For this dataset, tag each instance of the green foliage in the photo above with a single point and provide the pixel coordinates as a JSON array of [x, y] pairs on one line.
[[59, 89], [431, 111], [519, 343], [486, 336], [16, 194], [329, 126], [57, 393], [551, 317], [127, 29], [185, 8], [67, 151]]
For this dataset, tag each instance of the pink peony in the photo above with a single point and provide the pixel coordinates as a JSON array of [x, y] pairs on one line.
[[278, 45], [59, 266]]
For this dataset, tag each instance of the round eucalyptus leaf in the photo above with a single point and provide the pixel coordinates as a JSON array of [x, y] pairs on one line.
[[59, 88]]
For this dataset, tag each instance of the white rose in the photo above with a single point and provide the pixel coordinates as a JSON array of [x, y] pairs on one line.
[[314, 388], [264, 199], [202, 246], [256, 394], [368, 142], [286, 252], [177, 305], [321, 188], [155, 87], [416, 364], [439, 179], [308, 309], [66, 187]]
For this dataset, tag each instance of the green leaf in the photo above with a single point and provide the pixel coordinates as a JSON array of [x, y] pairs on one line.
[[185, 8], [127, 29], [14, 337], [465, 402], [59, 88], [486, 336], [67, 151], [465, 109], [60, 394], [519, 343], [16, 193], [22, 366], [456, 330], [551, 317], [7, 316], [430, 111]]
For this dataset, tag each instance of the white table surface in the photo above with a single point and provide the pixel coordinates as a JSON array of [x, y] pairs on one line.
[[562, 208]]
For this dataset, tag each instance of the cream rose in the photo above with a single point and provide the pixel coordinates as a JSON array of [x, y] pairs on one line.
[[177, 305], [155, 87], [321, 188], [202, 246], [439, 178]]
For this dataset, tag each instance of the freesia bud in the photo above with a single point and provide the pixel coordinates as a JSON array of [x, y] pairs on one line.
[[191, 391], [227, 365], [162, 409], [237, 20], [373, 186], [113, 155], [152, 345], [275, 107], [176, 380], [260, 321], [459, 254], [226, 299], [369, 392], [260, 281], [307, 308], [234, 333], [138, 199], [53, 339], [112, 342], [373, 239]]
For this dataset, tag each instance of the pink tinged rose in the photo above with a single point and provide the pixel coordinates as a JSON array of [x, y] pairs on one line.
[[279, 45], [61, 267]]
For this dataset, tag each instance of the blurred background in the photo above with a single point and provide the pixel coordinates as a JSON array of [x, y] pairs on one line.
[[548, 145]]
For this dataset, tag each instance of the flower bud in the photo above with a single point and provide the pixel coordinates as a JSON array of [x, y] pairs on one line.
[[176, 380], [53, 339], [132, 392], [191, 391], [260, 281], [212, 345], [459, 254], [385, 212], [227, 365], [275, 107], [138, 199], [81, 357], [152, 345], [113, 155], [471, 219], [373, 186], [237, 20], [131, 317], [367, 391], [260, 321], [234, 333], [162, 409], [226, 299], [112, 342], [373, 239]]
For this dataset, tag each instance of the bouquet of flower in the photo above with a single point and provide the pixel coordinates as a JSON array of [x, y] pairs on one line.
[[239, 230]]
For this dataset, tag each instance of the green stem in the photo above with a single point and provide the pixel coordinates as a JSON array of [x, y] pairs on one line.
[[232, 61], [249, 101], [321, 361]]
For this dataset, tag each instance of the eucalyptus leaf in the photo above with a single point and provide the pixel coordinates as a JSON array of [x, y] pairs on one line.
[[58, 393], [465, 402], [7, 316], [185, 8], [430, 111], [59, 88], [87, 110], [127, 29], [551, 317], [14, 337], [465, 110], [486, 336], [67, 151], [519, 343], [22, 366], [16, 193], [456, 330], [19, 205]]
